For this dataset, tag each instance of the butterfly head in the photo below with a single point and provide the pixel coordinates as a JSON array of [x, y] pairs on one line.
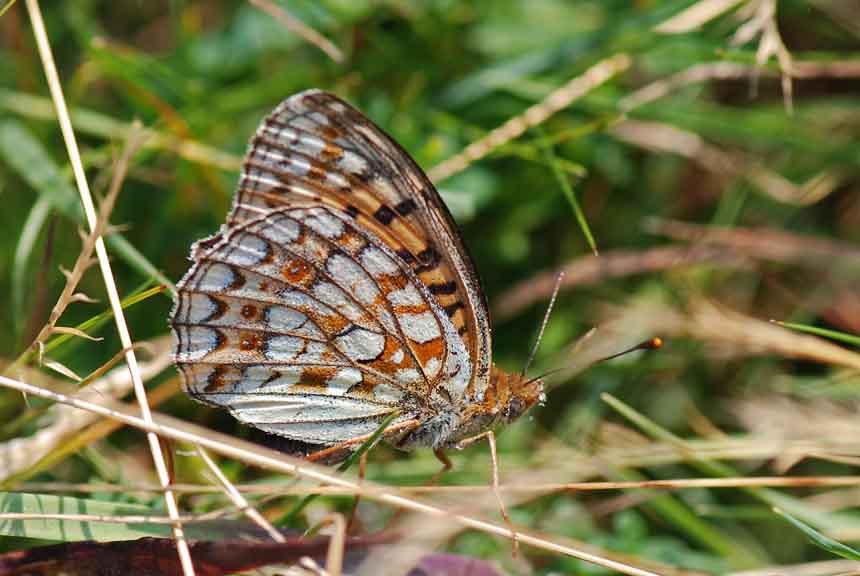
[[515, 393]]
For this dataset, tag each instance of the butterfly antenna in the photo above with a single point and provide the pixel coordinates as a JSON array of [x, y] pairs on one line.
[[650, 344], [543, 324]]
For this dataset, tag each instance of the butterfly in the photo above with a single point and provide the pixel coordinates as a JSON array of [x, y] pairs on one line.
[[339, 293]]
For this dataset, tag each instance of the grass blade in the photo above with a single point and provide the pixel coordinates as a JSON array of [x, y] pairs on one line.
[[560, 176], [820, 539], [832, 334]]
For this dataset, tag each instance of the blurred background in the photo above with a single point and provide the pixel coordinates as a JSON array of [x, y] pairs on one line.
[[716, 169]]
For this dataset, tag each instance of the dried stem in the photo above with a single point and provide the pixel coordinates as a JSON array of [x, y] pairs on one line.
[[534, 115], [272, 460], [20, 454], [238, 500], [525, 487], [299, 28], [104, 263], [591, 269]]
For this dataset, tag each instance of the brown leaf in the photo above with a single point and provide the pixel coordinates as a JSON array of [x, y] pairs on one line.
[[158, 557]]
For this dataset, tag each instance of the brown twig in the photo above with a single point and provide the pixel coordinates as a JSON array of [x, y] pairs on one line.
[[762, 243], [525, 487], [591, 269], [660, 137], [259, 456]]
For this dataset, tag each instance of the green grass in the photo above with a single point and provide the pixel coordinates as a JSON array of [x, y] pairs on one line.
[[439, 75]]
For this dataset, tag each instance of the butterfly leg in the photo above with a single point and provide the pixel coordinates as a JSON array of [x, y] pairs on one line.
[[491, 440], [446, 465]]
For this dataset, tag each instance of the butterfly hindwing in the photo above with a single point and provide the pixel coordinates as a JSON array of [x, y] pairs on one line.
[[305, 325]]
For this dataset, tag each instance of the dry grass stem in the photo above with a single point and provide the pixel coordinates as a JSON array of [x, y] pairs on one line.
[[762, 243], [582, 464], [696, 15], [334, 555], [90, 122], [238, 500], [693, 75], [299, 28], [590, 269], [761, 22], [784, 419], [664, 138], [733, 71], [56, 89], [114, 360], [733, 331], [259, 456], [19, 454], [82, 263], [526, 487], [533, 116]]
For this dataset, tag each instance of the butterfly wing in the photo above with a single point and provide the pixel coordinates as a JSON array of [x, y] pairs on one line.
[[338, 291], [304, 325], [314, 148]]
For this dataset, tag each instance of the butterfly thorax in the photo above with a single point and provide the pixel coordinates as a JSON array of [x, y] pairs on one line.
[[507, 397]]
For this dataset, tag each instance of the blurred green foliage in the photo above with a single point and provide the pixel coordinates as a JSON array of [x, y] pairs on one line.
[[438, 75]]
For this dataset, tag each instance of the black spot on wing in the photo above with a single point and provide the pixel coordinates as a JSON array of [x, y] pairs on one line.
[[451, 309], [405, 255], [428, 259], [443, 288], [406, 207], [384, 214], [351, 211]]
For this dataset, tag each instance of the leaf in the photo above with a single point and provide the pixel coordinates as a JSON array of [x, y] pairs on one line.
[[61, 369], [832, 334], [158, 556], [569, 194], [820, 539], [26, 242], [67, 530], [76, 332], [106, 529], [23, 152]]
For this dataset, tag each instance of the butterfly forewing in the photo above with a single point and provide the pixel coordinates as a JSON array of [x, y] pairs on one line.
[[315, 149], [305, 325]]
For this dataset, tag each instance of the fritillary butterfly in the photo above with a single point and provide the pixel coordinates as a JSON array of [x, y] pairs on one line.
[[339, 292]]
